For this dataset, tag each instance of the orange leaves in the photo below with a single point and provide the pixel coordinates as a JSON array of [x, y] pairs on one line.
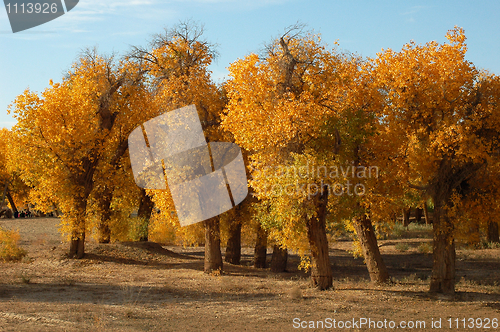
[[284, 109], [437, 122], [426, 91], [64, 134], [271, 104]]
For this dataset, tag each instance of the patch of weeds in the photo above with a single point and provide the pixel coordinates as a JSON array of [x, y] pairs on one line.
[[413, 230], [402, 246], [25, 278], [423, 276], [398, 230], [26, 260], [419, 227], [216, 273], [491, 245], [129, 314], [9, 249], [467, 282], [68, 281], [295, 293], [132, 295], [412, 278], [425, 248], [99, 322]]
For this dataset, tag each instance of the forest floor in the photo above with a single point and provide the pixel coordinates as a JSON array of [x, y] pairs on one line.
[[146, 287]]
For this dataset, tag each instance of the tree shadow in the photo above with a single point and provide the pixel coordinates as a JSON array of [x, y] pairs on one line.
[[107, 294]]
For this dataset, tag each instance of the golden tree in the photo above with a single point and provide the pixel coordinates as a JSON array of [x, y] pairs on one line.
[[10, 184], [177, 64], [438, 127], [279, 109], [61, 136]]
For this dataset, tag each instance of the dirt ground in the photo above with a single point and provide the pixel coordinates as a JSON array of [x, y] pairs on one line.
[[146, 287]]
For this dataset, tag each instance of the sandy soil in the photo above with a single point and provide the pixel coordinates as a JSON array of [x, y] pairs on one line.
[[146, 287]]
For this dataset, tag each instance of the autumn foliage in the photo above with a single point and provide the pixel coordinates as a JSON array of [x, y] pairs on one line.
[[331, 140]]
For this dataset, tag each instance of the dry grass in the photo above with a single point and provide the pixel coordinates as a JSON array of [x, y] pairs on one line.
[[141, 288]]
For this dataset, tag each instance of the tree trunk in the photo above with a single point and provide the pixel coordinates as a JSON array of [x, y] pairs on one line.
[[321, 270], [260, 253], [213, 256], [443, 267], [233, 248], [11, 202], [418, 215], [279, 259], [493, 235], [4, 193], [77, 245], [56, 211], [426, 214], [104, 232], [406, 216], [367, 238], [146, 206], [85, 170]]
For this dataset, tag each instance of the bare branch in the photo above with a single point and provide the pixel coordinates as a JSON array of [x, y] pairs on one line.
[[413, 186]]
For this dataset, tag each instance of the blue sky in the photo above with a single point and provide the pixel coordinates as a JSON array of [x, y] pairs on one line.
[[32, 57]]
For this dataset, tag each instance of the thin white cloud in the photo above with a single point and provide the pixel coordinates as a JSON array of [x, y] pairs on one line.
[[87, 12], [241, 3], [415, 9], [96, 10], [97, 4]]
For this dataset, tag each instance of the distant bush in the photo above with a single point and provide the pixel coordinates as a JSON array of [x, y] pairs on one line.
[[398, 230], [414, 230], [419, 227], [424, 248], [402, 247], [490, 245], [9, 249]]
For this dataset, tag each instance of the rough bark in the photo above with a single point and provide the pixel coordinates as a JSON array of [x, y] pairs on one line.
[[213, 256], [233, 248], [105, 199], [56, 211], [367, 238], [493, 235], [86, 181], [443, 267], [4, 193], [146, 206], [449, 178], [77, 244], [260, 252], [321, 270], [11, 201], [418, 215], [8, 214], [406, 217], [279, 259], [426, 214], [104, 232]]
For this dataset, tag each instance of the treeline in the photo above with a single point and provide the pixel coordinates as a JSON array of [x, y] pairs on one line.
[[426, 119]]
